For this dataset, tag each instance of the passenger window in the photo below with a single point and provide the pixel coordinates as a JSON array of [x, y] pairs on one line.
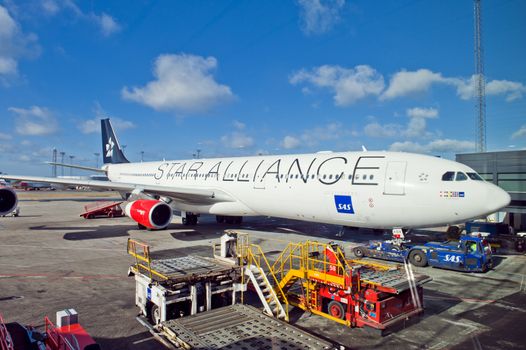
[[350, 177], [364, 177], [371, 177], [330, 176], [449, 176], [461, 177]]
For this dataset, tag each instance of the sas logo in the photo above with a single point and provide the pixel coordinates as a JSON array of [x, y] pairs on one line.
[[343, 204], [453, 258], [451, 194]]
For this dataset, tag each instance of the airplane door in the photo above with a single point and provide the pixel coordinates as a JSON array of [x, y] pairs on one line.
[[395, 178]]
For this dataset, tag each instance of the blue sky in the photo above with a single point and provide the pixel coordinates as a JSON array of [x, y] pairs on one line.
[[250, 77]]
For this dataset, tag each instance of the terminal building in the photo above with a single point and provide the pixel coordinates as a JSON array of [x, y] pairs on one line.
[[506, 169]]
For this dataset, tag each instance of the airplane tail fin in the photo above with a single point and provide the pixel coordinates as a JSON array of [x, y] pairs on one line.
[[111, 149]]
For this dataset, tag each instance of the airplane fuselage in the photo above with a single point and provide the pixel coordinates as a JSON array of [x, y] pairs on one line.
[[362, 189]]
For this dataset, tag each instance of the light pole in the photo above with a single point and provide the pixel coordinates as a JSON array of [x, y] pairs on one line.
[[96, 154], [71, 163], [62, 154], [142, 156]]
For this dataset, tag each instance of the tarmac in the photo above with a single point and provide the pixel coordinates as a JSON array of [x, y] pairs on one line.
[[52, 259]]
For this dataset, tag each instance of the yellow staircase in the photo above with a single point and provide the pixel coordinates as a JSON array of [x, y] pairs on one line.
[[300, 264]]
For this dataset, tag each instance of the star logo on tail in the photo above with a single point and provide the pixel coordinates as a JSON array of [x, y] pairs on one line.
[[109, 148]]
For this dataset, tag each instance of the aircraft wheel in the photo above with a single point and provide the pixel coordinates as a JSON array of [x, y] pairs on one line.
[[336, 310], [520, 245], [141, 227], [358, 252], [418, 258]]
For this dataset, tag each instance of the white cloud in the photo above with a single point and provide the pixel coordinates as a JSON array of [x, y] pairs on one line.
[[416, 126], [290, 142], [313, 137], [182, 82], [519, 133], [34, 121], [91, 126], [352, 84], [319, 16], [405, 83], [237, 140], [511, 89], [14, 44], [50, 7], [435, 146], [108, 25], [378, 130], [348, 84], [239, 125], [418, 112], [5, 137]]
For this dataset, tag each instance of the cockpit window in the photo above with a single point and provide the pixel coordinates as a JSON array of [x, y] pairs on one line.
[[475, 176], [461, 177], [449, 176]]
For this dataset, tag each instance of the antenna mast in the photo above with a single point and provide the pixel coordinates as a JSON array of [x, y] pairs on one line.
[[480, 84]]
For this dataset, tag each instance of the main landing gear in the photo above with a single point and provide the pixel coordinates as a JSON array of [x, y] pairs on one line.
[[223, 219], [189, 219]]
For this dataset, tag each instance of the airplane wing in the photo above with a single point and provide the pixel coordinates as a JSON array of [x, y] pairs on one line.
[[188, 195]]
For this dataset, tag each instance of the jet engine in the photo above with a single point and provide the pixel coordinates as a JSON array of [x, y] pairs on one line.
[[8, 200], [150, 213]]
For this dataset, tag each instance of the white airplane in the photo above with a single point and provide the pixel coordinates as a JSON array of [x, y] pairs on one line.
[[361, 189]]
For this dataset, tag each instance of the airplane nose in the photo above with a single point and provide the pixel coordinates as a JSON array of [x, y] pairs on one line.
[[498, 198]]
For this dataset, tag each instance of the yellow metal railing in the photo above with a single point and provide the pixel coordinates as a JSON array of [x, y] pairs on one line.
[[141, 252], [252, 254], [312, 260]]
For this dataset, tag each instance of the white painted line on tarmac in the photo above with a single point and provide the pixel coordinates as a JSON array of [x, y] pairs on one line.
[[470, 328], [440, 345], [143, 340], [65, 248]]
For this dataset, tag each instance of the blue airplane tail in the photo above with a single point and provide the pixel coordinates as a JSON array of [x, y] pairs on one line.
[[111, 149]]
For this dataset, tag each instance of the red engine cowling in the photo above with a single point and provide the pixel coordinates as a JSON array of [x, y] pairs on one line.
[[8, 200], [150, 213]]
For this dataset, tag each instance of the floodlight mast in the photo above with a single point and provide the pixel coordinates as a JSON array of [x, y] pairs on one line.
[[479, 81]]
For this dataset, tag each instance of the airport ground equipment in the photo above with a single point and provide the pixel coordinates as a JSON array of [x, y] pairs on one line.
[[471, 254], [175, 287], [67, 334], [499, 235], [102, 208], [318, 278], [237, 327]]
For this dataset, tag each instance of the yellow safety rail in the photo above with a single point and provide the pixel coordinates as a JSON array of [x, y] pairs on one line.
[[313, 263], [141, 252], [252, 254], [257, 256]]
